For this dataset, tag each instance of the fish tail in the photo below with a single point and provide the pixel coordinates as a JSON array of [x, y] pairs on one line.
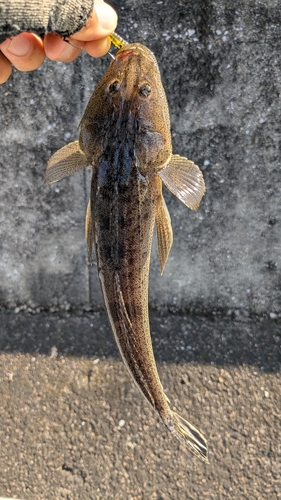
[[187, 435]]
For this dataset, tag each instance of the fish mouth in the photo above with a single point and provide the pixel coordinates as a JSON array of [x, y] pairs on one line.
[[124, 54], [135, 49]]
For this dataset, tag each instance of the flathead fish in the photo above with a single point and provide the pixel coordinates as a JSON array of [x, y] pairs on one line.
[[125, 138]]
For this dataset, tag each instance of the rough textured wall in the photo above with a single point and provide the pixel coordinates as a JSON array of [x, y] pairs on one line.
[[220, 63]]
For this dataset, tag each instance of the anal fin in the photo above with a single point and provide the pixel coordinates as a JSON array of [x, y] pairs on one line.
[[164, 232], [89, 231]]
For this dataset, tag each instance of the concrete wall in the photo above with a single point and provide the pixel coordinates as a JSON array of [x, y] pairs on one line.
[[221, 67]]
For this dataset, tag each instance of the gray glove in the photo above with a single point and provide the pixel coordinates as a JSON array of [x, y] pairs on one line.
[[63, 17]]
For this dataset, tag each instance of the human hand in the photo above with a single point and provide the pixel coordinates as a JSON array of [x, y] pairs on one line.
[[27, 51]]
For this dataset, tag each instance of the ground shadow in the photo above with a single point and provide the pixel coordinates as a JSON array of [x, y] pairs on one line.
[[176, 338]]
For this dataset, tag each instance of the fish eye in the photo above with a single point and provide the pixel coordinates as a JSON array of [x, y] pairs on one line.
[[145, 90], [114, 87]]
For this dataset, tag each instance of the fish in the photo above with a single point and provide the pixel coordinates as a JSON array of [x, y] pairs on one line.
[[125, 138]]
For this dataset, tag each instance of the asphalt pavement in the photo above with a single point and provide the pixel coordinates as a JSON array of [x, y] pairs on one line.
[[74, 426]]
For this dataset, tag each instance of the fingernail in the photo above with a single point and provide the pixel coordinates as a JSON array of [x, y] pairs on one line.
[[106, 15], [67, 51], [19, 46]]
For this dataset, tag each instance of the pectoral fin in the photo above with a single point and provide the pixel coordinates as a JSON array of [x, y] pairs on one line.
[[185, 180], [164, 232], [65, 162], [89, 231]]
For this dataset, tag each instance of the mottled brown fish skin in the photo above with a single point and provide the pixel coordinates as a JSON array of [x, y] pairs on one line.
[[125, 137], [107, 112], [124, 194], [132, 124]]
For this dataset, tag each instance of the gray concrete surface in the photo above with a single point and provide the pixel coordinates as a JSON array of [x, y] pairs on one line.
[[221, 66], [63, 388]]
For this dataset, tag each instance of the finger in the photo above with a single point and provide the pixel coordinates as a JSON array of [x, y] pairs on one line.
[[5, 68], [57, 49], [97, 48], [100, 24], [25, 51]]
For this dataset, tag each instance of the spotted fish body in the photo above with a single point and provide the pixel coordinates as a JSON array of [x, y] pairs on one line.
[[125, 138]]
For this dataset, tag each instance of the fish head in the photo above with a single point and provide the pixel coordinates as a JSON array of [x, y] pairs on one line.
[[129, 104]]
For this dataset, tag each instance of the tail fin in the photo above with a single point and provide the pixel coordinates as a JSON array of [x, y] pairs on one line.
[[187, 435]]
